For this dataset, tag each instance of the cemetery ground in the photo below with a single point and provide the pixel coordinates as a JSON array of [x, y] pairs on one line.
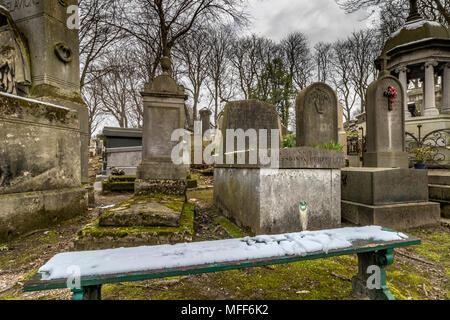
[[420, 272]]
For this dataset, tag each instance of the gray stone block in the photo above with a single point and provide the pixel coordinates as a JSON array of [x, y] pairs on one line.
[[24, 212], [380, 186], [395, 216], [439, 192], [267, 200]]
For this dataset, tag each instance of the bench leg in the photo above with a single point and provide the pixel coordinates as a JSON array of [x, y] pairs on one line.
[[371, 278], [87, 293]]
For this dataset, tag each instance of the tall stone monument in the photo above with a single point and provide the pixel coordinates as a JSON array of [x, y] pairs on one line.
[[51, 67], [317, 116], [205, 117], [385, 125], [386, 192], [163, 114]]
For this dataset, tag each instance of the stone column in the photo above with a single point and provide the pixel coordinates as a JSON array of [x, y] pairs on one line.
[[205, 117], [446, 89], [430, 97], [403, 77], [163, 114]]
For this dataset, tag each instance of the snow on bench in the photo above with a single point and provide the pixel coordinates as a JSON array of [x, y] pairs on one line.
[[96, 267]]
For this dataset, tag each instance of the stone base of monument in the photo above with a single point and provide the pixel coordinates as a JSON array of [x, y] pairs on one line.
[[393, 198], [24, 212], [161, 177], [269, 201], [439, 189], [386, 159], [395, 216], [140, 221]]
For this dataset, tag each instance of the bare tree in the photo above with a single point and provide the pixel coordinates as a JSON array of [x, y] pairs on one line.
[[363, 48], [219, 82], [98, 33], [167, 21], [323, 56], [342, 76], [297, 58], [437, 10], [194, 51], [118, 90]]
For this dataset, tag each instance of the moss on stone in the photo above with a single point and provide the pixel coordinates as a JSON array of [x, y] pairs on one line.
[[121, 186], [185, 228], [232, 229]]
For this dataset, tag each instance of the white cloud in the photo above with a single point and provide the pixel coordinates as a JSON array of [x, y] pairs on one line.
[[320, 20]]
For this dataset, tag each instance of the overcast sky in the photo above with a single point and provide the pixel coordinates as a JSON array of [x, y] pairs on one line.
[[320, 20]]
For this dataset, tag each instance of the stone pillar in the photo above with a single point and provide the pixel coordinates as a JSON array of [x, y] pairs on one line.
[[163, 114], [430, 97], [403, 77], [205, 117], [446, 89]]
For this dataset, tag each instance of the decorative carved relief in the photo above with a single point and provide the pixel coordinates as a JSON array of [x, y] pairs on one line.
[[63, 52], [320, 98], [15, 75]]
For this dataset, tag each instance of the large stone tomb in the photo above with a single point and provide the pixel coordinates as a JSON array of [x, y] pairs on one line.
[[40, 172], [304, 193]]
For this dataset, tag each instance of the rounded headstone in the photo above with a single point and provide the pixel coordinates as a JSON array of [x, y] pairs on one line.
[[317, 116]]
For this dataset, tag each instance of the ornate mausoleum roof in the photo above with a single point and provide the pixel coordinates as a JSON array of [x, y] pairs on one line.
[[415, 34]]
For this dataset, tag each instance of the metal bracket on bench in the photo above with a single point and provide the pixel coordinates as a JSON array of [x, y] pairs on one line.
[[371, 278], [87, 293]]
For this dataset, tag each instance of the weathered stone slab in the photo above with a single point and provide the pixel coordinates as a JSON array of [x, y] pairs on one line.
[[439, 192], [394, 216], [143, 212], [317, 115], [385, 126], [95, 237], [380, 186], [24, 212], [268, 201], [439, 177]]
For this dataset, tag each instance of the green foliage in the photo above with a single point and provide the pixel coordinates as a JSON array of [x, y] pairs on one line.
[[289, 140], [331, 146], [3, 248], [422, 155], [275, 87]]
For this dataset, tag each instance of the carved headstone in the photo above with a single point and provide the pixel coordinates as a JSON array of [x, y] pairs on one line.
[[317, 116], [15, 77], [250, 114], [385, 125]]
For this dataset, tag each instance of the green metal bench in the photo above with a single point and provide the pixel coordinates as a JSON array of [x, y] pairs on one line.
[[144, 263]]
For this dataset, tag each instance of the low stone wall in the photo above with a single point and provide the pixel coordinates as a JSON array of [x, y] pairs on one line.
[[126, 159], [40, 165]]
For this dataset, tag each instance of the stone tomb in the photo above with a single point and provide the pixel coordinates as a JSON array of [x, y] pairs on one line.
[[317, 116], [268, 200], [40, 172], [386, 192]]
